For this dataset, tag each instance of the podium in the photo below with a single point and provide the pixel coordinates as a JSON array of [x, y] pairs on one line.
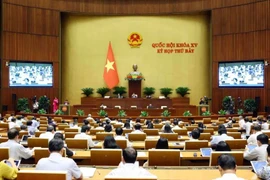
[[135, 86], [65, 109], [202, 108]]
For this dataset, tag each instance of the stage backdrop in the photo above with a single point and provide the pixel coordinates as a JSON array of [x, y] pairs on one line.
[[85, 42]]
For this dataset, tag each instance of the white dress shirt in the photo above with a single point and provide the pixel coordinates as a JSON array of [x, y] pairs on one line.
[[247, 127], [137, 131], [35, 123], [258, 154], [130, 170], [85, 136], [16, 150], [176, 127], [253, 138], [223, 137], [47, 135], [12, 125], [55, 162], [241, 123], [265, 126], [229, 176]]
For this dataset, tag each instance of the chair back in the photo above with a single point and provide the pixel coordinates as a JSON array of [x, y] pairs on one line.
[[136, 136], [237, 143], [170, 136], [235, 135], [158, 126], [38, 133], [77, 143], [205, 136], [101, 136], [41, 153], [106, 157], [151, 132], [232, 130], [122, 143], [206, 120], [62, 127], [117, 126], [71, 130], [164, 157], [3, 139], [41, 175], [209, 130], [70, 134], [57, 119], [42, 128], [21, 133], [38, 142], [44, 122], [196, 145], [4, 153], [126, 131], [150, 143], [181, 132], [4, 126], [94, 131], [190, 128], [238, 155], [108, 177]]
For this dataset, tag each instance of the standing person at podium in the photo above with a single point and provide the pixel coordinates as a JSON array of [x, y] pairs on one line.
[[55, 104]]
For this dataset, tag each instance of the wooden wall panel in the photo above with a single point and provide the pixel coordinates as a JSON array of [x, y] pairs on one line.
[[19, 46], [30, 20], [224, 48]]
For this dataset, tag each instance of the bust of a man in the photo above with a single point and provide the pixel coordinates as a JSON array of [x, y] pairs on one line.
[[135, 72]]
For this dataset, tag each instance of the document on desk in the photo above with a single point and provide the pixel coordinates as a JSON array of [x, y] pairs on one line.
[[141, 154], [87, 172]]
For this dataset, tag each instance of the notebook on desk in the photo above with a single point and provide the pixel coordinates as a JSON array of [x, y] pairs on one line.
[[258, 165], [206, 152], [250, 147], [87, 172]]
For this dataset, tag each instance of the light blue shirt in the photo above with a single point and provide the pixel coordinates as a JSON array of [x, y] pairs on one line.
[[16, 150]]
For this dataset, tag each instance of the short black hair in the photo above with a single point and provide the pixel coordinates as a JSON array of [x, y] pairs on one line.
[[137, 126], [29, 123], [85, 128], [221, 126], [13, 119], [109, 142], [263, 138], [50, 128], [268, 150], [162, 144], [175, 122], [127, 125], [222, 131], [100, 124], [85, 122], [58, 135], [150, 125], [195, 133], [119, 131], [12, 133], [130, 155], [108, 128], [138, 120], [226, 162], [23, 127], [257, 128], [167, 128], [223, 146], [200, 124], [56, 144]]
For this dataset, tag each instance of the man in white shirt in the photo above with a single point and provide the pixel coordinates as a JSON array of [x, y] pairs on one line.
[[137, 129], [49, 134], [259, 153], [129, 168], [84, 135], [90, 119], [253, 137], [12, 123], [10, 117], [16, 150], [100, 126], [227, 167], [35, 123], [175, 123], [119, 132], [241, 122], [222, 137], [247, 127], [265, 125], [55, 162]]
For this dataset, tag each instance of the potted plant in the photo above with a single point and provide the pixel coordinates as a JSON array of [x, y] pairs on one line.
[[22, 104], [42, 111], [119, 90], [240, 111], [102, 113], [44, 103], [187, 113], [222, 112], [206, 113], [166, 91], [148, 91], [228, 104], [165, 113], [182, 91], [27, 110], [87, 91], [144, 114], [103, 91], [250, 105], [121, 113], [80, 112], [59, 112]]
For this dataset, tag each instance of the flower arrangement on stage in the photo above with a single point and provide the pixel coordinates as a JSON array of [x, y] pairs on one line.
[[134, 77]]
